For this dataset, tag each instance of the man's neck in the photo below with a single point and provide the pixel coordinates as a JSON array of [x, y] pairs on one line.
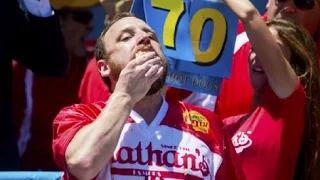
[[149, 106]]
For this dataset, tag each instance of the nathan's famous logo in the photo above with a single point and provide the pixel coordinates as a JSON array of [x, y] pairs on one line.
[[197, 121], [192, 160]]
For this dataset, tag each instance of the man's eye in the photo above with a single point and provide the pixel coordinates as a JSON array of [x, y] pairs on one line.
[[125, 38]]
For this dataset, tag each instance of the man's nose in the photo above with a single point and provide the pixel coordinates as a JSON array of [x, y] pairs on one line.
[[144, 39]]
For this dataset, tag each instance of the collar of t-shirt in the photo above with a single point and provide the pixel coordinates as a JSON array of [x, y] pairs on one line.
[[156, 121]]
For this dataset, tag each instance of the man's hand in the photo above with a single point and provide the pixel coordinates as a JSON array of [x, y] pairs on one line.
[[138, 76], [40, 8]]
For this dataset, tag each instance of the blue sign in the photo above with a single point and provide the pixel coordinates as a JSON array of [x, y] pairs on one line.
[[201, 32], [198, 35]]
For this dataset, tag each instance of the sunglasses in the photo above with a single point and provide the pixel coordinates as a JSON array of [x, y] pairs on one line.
[[301, 4], [82, 17]]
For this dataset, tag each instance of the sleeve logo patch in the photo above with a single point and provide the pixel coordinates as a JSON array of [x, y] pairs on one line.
[[197, 121]]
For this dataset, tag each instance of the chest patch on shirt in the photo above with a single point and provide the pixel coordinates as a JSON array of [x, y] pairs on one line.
[[241, 141], [197, 121]]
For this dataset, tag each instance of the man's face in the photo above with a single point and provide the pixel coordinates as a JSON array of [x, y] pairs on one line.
[[76, 26], [124, 39], [294, 12]]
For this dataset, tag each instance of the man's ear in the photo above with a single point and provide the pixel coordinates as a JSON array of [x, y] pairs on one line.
[[103, 68]]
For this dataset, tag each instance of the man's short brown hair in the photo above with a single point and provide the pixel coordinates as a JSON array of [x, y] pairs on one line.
[[100, 51]]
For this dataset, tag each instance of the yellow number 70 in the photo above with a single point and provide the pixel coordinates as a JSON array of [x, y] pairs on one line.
[[176, 9]]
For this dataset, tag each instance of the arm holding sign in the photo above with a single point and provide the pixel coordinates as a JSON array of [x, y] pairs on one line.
[[36, 39], [270, 52]]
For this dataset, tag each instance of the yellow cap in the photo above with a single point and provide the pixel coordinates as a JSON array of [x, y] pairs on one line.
[[58, 4]]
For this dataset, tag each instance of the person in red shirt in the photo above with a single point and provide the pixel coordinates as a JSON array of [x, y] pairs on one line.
[[37, 100], [136, 133], [236, 93], [284, 118]]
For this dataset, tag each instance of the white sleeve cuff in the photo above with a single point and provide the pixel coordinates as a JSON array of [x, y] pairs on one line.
[[203, 100]]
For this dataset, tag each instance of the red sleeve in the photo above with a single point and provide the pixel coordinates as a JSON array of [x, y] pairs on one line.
[[65, 126], [299, 95], [289, 103]]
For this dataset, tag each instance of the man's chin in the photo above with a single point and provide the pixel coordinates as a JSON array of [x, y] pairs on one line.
[[158, 84], [156, 87]]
